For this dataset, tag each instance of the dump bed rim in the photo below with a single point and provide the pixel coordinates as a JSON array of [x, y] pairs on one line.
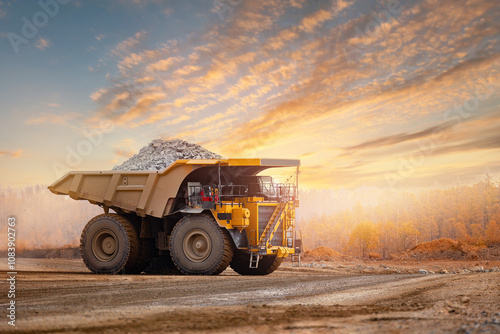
[[268, 163]]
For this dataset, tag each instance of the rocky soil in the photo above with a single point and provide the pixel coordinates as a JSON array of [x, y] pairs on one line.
[[160, 154]]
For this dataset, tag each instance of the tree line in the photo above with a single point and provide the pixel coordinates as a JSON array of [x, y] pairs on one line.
[[403, 219]]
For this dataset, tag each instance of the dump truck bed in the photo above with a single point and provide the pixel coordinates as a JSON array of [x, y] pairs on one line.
[[150, 192]]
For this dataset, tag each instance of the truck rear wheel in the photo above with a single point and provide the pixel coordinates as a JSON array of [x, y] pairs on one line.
[[110, 244], [199, 246], [267, 264]]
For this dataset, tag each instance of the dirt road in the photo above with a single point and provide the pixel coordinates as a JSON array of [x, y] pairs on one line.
[[60, 295]]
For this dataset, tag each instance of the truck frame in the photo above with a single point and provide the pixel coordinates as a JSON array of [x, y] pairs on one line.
[[199, 215]]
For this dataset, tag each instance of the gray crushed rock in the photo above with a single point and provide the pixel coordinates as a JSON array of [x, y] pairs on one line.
[[160, 154]]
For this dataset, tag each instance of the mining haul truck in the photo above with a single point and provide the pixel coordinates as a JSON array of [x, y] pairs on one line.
[[200, 215]]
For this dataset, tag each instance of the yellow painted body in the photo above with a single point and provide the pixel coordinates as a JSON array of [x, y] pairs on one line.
[[245, 216]]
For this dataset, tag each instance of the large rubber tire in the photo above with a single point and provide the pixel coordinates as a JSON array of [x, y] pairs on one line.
[[110, 244], [199, 246], [267, 264]]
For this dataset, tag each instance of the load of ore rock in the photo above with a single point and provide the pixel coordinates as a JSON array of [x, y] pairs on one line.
[[160, 153]]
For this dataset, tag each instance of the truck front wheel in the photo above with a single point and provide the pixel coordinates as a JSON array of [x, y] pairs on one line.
[[110, 244], [198, 246]]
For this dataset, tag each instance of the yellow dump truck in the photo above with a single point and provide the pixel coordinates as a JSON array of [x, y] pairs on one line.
[[201, 215]]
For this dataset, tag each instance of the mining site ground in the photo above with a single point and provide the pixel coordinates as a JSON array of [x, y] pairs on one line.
[[60, 295]]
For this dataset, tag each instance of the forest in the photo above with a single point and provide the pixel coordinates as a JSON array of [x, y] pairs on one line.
[[361, 222], [403, 219]]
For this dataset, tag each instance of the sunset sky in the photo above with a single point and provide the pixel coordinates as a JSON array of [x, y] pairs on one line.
[[366, 93]]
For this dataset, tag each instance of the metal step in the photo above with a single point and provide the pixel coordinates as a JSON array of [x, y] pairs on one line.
[[295, 260], [254, 260]]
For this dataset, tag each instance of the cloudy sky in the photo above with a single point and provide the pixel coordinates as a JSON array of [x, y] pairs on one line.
[[366, 93]]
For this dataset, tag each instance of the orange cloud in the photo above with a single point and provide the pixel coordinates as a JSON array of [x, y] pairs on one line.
[[297, 3], [180, 119], [279, 41], [312, 21], [43, 43], [254, 22], [65, 119], [187, 70], [129, 44], [164, 64], [146, 79], [124, 153], [11, 154], [96, 96], [142, 106]]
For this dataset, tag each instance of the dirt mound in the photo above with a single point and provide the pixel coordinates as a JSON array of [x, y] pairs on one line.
[[444, 249], [159, 154], [322, 253]]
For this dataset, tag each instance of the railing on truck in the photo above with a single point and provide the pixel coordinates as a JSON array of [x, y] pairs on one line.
[[206, 196]]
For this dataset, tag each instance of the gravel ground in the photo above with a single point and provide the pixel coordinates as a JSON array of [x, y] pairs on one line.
[[60, 295]]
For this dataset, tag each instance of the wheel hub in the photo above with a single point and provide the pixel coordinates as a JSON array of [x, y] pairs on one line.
[[109, 245], [197, 245], [104, 245]]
